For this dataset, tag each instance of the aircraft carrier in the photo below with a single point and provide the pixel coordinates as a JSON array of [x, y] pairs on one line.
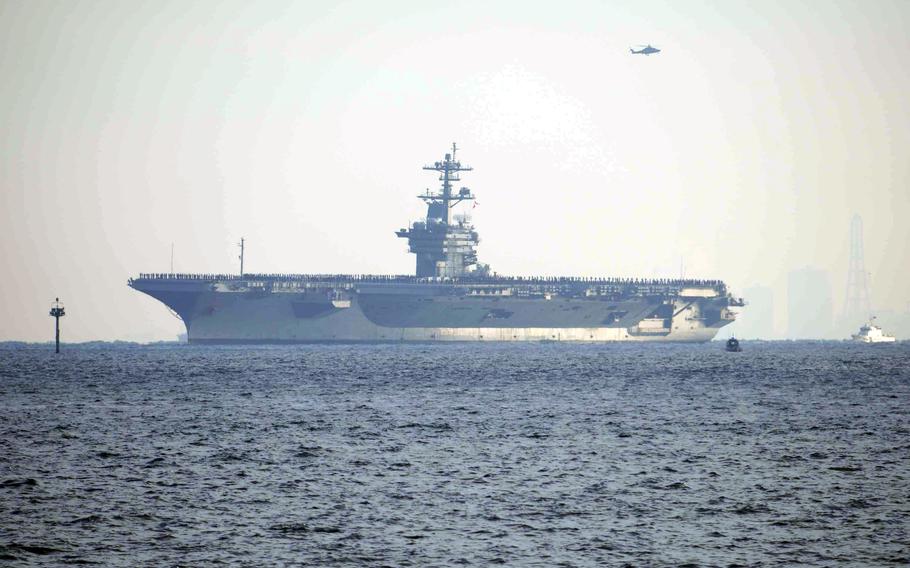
[[451, 297]]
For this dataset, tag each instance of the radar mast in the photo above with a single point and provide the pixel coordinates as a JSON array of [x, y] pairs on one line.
[[448, 170]]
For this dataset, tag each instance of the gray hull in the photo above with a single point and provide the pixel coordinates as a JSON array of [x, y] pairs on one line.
[[219, 311]]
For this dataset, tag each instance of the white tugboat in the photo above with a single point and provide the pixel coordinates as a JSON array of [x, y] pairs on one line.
[[871, 333]]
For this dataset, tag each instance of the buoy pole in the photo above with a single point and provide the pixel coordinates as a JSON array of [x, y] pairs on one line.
[[57, 312]]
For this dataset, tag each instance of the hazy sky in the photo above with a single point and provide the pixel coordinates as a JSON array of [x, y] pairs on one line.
[[742, 149]]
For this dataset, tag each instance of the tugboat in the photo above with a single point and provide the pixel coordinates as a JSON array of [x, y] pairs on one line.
[[733, 345], [871, 333]]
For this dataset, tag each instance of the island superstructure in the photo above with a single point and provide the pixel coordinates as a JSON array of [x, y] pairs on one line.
[[451, 297]]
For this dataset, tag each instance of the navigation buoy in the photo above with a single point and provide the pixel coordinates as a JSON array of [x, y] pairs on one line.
[[57, 312]]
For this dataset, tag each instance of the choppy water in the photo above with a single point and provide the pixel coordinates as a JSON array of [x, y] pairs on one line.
[[527, 455]]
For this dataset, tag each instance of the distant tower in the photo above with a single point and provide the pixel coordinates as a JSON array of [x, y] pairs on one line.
[[856, 299]]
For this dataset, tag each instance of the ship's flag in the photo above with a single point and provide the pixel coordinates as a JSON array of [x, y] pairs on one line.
[[475, 205]]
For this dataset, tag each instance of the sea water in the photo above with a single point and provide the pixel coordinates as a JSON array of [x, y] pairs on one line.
[[442, 455]]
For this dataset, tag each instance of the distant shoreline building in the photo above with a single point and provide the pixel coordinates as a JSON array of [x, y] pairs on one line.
[[757, 322], [809, 305]]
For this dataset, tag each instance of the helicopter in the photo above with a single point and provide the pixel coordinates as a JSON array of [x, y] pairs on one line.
[[648, 50]]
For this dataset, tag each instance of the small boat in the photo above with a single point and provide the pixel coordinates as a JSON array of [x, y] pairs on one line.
[[871, 333], [733, 345]]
